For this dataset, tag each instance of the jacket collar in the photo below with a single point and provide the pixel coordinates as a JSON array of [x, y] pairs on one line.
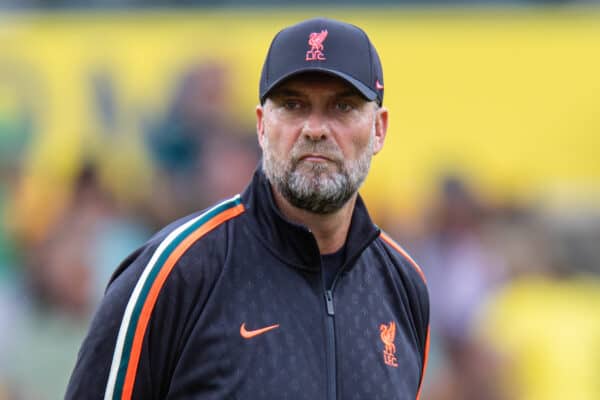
[[293, 243]]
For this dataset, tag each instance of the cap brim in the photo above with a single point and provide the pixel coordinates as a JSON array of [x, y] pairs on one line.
[[367, 92]]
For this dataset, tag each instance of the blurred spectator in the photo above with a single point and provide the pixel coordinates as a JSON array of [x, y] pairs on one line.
[[197, 148], [514, 307], [85, 245], [65, 277], [460, 269], [16, 132], [545, 322], [9, 255], [461, 272], [9, 273], [8, 251]]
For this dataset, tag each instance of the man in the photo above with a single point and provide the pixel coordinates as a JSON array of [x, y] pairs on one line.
[[288, 291]]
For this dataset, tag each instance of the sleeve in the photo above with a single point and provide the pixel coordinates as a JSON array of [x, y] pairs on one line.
[[138, 333], [419, 293], [424, 331], [132, 343], [419, 298], [90, 376], [420, 309]]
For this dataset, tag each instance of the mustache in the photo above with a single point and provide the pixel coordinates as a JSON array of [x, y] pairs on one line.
[[326, 149]]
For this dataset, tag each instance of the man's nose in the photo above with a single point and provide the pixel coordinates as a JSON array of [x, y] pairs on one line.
[[316, 127]]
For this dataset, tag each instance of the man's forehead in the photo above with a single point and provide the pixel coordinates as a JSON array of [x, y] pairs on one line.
[[310, 80]]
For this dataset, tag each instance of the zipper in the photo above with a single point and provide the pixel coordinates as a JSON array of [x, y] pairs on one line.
[[330, 324], [330, 332], [331, 364]]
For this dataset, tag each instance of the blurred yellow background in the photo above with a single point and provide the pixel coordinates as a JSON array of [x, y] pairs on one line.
[[490, 174], [509, 96]]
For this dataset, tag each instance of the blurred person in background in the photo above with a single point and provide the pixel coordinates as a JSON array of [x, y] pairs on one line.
[[197, 145], [288, 290], [463, 271], [16, 134], [92, 234], [462, 268], [64, 277], [545, 322]]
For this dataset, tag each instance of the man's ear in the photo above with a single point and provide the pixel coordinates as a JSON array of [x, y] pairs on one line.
[[381, 126], [260, 124]]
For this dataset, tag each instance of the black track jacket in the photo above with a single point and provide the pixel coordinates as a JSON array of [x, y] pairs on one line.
[[230, 304]]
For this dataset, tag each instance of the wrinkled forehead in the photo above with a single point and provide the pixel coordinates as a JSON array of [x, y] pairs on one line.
[[309, 82]]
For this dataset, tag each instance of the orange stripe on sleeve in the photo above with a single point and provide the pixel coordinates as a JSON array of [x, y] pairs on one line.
[[391, 242], [425, 358], [155, 290]]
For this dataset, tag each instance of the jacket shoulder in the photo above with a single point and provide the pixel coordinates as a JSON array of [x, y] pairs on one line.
[[172, 275], [410, 274], [413, 280], [178, 237], [406, 261]]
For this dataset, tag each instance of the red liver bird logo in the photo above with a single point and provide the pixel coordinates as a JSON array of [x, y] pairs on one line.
[[315, 41], [388, 335]]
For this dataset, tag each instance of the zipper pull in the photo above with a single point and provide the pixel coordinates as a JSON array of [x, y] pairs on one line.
[[329, 301]]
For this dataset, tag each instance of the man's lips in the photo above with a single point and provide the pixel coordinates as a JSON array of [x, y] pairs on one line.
[[315, 157]]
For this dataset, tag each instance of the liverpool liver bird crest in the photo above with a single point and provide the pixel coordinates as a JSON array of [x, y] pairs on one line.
[[315, 41], [388, 335]]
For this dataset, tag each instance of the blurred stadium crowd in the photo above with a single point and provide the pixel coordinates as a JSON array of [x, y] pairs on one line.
[[514, 287]]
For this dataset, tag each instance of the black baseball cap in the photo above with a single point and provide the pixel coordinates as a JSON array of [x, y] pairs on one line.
[[327, 46]]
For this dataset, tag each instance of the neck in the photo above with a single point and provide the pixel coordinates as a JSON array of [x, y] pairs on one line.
[[330, 230]]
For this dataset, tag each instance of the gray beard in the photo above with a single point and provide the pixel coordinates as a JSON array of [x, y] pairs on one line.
[[316, 187]]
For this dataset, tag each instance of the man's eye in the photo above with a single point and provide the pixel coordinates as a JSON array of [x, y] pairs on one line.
[[292, 105], [343, 107]]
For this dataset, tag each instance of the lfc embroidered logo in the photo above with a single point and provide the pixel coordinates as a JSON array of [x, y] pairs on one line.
[[315, 41], [388, 334]]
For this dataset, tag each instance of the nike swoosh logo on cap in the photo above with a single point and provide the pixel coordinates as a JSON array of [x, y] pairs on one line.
[[246, 334]]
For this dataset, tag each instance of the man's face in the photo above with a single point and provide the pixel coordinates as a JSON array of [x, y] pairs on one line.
[[318, 135]]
